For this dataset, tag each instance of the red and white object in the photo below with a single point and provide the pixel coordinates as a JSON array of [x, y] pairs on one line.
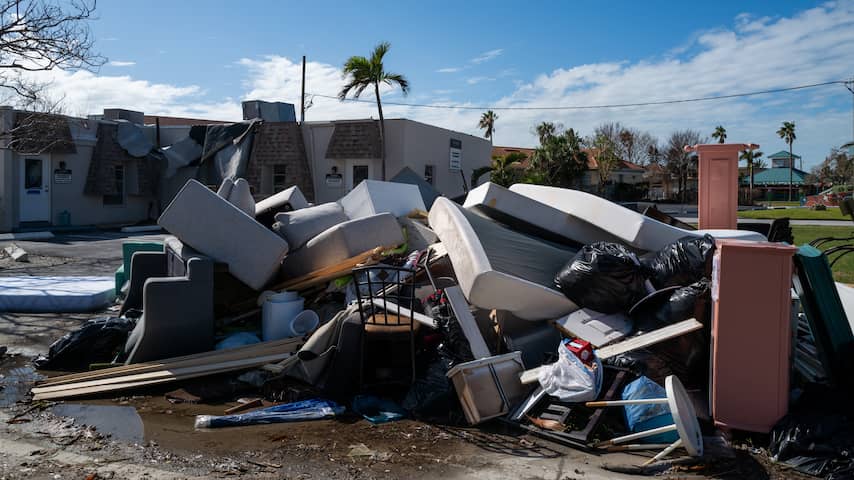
[[581, 349]]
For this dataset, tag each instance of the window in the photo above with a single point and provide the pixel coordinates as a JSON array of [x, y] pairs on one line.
[[119, 186], [280, 182], [33, 176], [360, 172], [428, 174]]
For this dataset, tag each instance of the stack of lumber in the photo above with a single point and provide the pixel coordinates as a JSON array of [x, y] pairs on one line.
[[167, 370]]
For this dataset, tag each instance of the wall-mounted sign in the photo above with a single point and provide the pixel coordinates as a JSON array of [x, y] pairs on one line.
[[334, 180], [456, 155], [62, 175]]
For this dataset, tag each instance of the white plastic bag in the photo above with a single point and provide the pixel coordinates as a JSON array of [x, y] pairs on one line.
[[570, 379]]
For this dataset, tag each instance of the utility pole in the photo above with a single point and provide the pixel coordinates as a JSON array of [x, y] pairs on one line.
[[850, 86], [302, 97]]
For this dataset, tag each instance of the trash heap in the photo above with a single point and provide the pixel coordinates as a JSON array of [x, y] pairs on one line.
[[537, 307]]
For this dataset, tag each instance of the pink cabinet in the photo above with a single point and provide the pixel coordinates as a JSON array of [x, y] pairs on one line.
[[751, 334], [717, 204]]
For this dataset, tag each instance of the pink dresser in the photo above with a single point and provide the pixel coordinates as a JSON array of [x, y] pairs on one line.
[[751, 334]]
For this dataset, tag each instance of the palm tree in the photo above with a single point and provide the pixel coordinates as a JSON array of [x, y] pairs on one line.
[[751, 156], [546, 130], [362, 73], [720, 134], [787, 133], [487, 123]]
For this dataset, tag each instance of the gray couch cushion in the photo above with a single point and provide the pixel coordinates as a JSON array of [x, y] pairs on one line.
[[213, 226], [343, 241], [300, 226]]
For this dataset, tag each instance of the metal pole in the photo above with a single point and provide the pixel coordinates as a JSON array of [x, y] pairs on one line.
[[302, 97]]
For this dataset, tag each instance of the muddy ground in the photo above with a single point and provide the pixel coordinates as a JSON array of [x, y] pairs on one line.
[[142, 435]]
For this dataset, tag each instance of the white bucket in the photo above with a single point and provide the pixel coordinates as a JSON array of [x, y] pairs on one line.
[[306, 321], [276, 317]]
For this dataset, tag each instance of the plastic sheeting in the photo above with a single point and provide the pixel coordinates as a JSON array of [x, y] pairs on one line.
[[313, 409], [132, 139]]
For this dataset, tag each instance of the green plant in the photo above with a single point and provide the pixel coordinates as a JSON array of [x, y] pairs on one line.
[[361, 73]]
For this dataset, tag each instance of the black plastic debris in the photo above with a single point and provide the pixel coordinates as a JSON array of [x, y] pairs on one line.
[[606, 277], [97, 341], [681, 263]]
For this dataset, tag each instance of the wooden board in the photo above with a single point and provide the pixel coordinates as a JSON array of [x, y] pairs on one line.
[[651, 338], [634, 343], [331, 272], [395, 308], [132, 381], [285, 345], [466, 320]]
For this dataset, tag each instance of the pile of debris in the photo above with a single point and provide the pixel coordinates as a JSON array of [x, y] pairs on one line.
[[536, 306]]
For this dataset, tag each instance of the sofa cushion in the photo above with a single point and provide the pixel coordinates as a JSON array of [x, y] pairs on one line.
[[213, 226], [300, 226], [341, 242]]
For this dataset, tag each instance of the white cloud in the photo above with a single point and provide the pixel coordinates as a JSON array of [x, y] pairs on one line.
[[487, 56], [476, 80], [118, 63], [449, 70], [754, 54]]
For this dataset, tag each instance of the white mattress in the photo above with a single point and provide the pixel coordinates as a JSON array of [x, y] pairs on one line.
[[491, 286], [517, 210], [629, 226], [846, 295], [56, 294]]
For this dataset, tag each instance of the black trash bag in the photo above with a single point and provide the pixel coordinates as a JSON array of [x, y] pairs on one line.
[[815, 443], [606, 277], [432, 396], [98, 341], [686, 356], [683, 262]]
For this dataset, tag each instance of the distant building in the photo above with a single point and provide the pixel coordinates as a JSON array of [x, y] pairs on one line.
[[773, 183], [781, 159], [123, 167]]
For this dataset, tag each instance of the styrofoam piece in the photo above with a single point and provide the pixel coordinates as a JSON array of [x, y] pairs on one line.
[[484, 286], [597, 328], [26, 236], [56, 294], [510, 207], [846, 295], [627, 225], [371, 197]]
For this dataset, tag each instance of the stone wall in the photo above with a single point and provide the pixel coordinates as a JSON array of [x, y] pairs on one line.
[[279, 143]]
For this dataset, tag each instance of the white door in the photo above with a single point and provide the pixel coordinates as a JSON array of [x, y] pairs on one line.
[[35, 189]]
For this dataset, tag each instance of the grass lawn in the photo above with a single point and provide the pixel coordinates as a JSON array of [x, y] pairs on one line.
[[832, 213], [781, 203], [843, 270]]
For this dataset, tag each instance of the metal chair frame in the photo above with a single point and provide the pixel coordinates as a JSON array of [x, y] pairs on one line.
[[392, 286]]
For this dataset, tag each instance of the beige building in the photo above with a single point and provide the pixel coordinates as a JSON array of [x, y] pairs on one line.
[[342, 153], [59, 171]]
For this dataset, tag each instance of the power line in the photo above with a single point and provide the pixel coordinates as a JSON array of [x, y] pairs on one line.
[[591, 107]]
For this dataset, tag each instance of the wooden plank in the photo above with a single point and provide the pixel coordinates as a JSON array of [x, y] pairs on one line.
[[469, 325], [331, 272], [634, 343], [131, 381], [290, 344], [199, 358], [395, 308], [165, 373], [651, 338]]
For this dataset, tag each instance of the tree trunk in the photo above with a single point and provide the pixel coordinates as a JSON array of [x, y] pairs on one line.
[[750, 188], [382, 129], [791, 165]]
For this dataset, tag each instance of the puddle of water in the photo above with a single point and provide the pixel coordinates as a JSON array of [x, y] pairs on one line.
[[17, 376], [119, 422]]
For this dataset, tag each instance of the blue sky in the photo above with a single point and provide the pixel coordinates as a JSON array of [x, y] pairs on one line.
[[201, 58]]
